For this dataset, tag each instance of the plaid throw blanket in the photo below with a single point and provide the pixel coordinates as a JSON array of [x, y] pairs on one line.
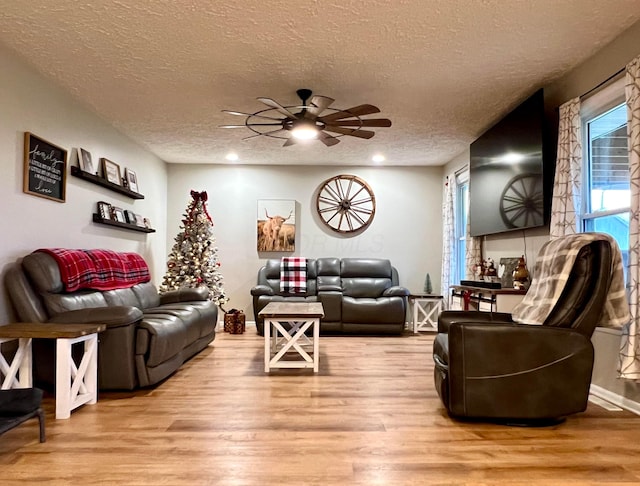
[[98, 269], [293, 275], [553, 266]]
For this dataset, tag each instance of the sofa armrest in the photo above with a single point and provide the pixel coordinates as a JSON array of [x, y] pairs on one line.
[[396, 291], [261, 290], [448, 317], [112, 316], [184, 295]]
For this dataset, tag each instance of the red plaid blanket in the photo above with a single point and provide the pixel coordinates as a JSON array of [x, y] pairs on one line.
[[98, 269], [293, 275]]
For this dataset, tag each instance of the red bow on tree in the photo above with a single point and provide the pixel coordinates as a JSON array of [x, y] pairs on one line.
[[200, 196]]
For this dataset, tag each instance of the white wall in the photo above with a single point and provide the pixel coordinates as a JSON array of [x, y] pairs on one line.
[[406, 228], [34, 104]]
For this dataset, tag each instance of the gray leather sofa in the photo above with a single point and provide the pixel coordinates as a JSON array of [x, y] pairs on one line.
[[148, 337], [359, 295]]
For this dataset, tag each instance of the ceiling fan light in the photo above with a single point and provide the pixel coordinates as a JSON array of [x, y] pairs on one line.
[[305, 132]]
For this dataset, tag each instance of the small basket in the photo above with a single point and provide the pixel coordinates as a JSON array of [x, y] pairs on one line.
[[234, 321]]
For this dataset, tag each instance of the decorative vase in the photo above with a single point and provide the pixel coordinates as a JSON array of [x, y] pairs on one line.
[[520, 274]]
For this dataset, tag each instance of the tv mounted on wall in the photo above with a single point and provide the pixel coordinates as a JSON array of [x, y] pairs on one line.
[[509, 187]]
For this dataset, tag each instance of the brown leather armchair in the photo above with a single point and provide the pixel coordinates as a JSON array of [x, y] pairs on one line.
[[489, 367]]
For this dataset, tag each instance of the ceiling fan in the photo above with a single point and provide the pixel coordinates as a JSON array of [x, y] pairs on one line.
[[304, 122]]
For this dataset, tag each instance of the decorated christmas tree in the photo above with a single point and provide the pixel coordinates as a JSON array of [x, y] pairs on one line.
[[193, 261]]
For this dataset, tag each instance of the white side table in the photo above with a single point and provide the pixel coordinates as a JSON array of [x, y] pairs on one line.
[[75, 385], [426, 309]]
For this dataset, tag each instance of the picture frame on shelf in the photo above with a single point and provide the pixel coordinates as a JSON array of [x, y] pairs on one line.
[[130, 216], [104, 210], [132, 180], [139, 220], [85, 162], [111, 171], [118, 215], [147, 223]]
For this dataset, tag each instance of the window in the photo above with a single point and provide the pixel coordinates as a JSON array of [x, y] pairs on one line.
[[606, 200], [462, 210]]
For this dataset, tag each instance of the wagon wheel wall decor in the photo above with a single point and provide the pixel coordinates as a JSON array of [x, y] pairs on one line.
[[521, 202], [345, 203]]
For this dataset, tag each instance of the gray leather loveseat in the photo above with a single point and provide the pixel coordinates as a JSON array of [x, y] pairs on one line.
[[148, 337], [359, 295]]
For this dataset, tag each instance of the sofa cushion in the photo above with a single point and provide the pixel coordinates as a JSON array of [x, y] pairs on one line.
[[121, 297], [365, 267], [146, 294], [365, 287], [373, 311], [160, 338], [59, 303]]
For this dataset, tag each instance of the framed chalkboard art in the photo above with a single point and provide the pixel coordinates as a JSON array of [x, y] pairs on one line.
[[45, 168]]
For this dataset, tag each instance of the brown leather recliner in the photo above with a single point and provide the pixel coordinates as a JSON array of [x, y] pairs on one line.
[[489, 367]]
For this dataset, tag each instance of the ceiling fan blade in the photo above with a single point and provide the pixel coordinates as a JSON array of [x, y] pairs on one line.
[[250, 114], [252, 125], [328, 140], [350, 131], [264, 133], [277, 106], [372, 122], [351, 112], [318, 104]]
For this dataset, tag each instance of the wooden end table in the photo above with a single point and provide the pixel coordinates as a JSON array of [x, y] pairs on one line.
[[75, 385], [426, 309], [300, 316]]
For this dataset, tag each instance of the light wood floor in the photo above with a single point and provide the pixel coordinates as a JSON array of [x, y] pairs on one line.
[[370, 417]]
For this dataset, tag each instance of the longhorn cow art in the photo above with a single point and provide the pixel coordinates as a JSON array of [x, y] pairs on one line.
[[276, 226]]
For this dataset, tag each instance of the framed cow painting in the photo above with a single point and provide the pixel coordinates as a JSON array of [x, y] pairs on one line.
[[276, 225]]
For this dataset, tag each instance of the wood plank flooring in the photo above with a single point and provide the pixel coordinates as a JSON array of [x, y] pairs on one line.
[[370, 417]]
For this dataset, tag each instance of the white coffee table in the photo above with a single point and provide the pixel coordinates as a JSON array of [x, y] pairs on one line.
[[298, 317]]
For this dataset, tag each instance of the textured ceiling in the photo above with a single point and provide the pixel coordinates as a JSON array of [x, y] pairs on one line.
[[442, 70]]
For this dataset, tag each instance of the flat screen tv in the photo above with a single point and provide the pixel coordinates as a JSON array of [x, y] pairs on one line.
[[508, 187]]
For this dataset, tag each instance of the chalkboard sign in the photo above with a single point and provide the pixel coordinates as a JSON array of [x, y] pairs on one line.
[[45, 168]]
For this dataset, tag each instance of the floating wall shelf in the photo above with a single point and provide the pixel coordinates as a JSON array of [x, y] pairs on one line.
[[101, 181], [117, 224]]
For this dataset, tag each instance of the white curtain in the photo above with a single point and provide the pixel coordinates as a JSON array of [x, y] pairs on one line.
[[629, 365], [472, 251], [448, 236], [566, 201]]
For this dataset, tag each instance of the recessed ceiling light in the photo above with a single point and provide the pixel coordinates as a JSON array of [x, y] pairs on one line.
[[378, 158], [232, 156]]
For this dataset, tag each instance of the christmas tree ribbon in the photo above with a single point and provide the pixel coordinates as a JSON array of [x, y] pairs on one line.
[[200, 196]]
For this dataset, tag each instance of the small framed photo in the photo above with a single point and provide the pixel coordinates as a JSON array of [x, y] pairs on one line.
[[118, 215], [111, 171], [139, 220], [132, 180], [86, 163], [104, 210], [130, 216]]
